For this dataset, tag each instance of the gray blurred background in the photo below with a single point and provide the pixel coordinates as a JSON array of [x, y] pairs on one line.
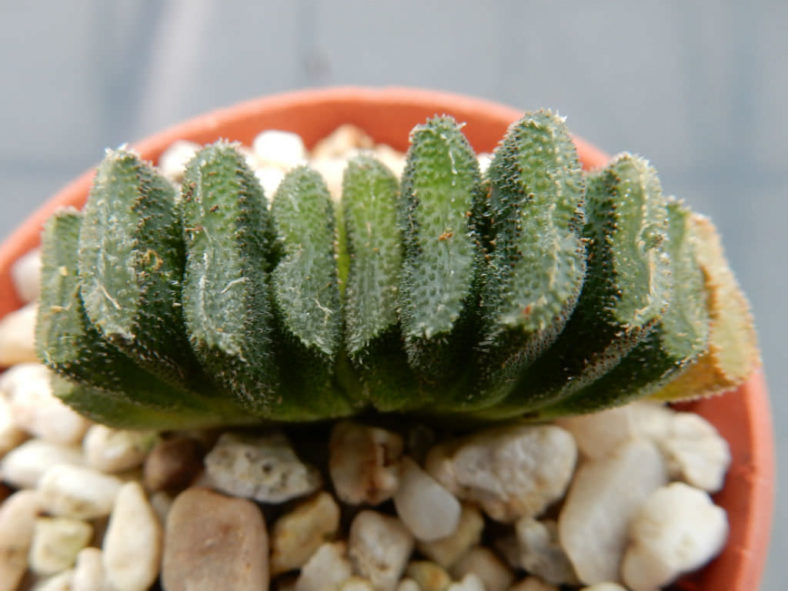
[[699, 87]]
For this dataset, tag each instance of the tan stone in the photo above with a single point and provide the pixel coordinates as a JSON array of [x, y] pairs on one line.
[[214, 542], [364, 463], [296, 535]]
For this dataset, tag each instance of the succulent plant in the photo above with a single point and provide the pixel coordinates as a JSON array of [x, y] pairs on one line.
[[531, 291]]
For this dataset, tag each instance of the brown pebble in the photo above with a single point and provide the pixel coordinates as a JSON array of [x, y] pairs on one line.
[[173, 464], [214, 542]]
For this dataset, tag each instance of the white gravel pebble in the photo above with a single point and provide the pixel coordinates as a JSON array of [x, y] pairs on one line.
[[270, 177], [469, 582], [364, 463], [604, 496], [408, 584], [262, 468], [133, 542], [78, 492], [677, 529], [332, 170], [600, 433], [606, 586], [116, 450], [36, 410], [327, 567], [392, 158], [24, 466], [18, 515], [650, 419], [17, 336], [173, 161], [379, 547], [342, 142], [426, 508], [510, 471], [485, 564], [59, 582], [26, 276], [11, 436], [447, 551], [299, 533], [279, 148], [89, 572], [695, 452], [485, 159], [540, 552], [56, 543]]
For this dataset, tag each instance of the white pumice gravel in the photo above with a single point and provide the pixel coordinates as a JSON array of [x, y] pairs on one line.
[[18, 515], [89, 574], [173, 161], [17, 336], [485, 564], [56, 543], [510, 472], [695, 452], [132, 511], [117, 450], [11, 435], [332, 170], [59, 582], [270, 177], [279, 148], [262, 468], [26, 276], [393, 159], [603, 498], [342, 143], [426, 508], [540, 551], [600, 433], [327, 567], [379, 547], [24, 466], [133, 541], [468, 533], [78, 492], [408, 584], [676, 529], [36, 410], [469, 582]]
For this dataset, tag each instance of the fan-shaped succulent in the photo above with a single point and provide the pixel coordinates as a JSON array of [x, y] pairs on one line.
[[533, 290]]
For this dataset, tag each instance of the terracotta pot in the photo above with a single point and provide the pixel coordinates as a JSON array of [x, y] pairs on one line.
[[388, 114]]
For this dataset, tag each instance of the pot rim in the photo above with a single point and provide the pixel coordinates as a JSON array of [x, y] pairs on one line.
[[743, 416]]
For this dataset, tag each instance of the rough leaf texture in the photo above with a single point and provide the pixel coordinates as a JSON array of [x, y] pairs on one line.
[[533, 293]]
